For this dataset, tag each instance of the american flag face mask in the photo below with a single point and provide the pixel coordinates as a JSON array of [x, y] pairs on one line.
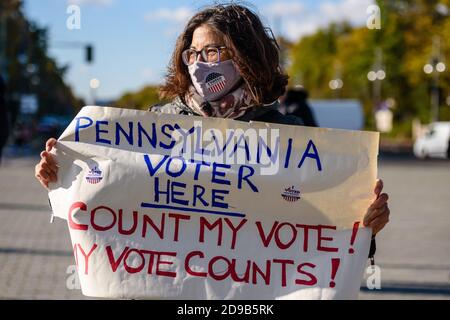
[[213, 80]]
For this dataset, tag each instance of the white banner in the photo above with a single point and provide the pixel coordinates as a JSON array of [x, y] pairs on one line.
[[171, 206]]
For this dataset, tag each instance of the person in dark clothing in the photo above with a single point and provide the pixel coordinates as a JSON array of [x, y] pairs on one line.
[[226, 65], [4, 124], [295, 102]]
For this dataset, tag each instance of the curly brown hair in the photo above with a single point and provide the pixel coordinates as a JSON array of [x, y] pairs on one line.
[[254, 50]]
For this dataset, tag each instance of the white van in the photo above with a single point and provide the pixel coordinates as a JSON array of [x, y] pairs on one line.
[[435, 142]]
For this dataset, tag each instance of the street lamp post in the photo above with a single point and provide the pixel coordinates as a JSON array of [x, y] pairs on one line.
[[435, 68], [336, 84], [94, 84], [376, 75]]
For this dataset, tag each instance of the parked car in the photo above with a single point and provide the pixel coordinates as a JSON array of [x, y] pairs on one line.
[[435, 143]]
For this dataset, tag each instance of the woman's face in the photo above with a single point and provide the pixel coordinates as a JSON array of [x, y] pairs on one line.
[[204, 36]]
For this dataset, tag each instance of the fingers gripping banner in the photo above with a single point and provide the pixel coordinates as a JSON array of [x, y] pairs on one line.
[[171, 206]]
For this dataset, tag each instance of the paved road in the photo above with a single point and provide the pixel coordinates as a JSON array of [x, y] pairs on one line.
[[413, 251]]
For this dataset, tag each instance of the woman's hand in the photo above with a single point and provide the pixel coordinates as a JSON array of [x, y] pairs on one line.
[[46, 170], [378, 213]]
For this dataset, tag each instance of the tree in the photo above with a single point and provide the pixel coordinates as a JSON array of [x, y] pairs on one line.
[[141, 100], [405, 41], [29, 68]]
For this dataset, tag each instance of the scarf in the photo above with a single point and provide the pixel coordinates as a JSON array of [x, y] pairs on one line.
[[233, 105]]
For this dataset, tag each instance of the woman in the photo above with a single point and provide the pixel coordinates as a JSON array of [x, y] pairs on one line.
[[226, 64]]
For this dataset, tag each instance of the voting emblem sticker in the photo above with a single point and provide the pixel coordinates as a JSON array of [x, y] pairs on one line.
[[291, 194], [94, 175]]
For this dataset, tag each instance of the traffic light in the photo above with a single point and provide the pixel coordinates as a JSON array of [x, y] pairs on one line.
[[89, 53]]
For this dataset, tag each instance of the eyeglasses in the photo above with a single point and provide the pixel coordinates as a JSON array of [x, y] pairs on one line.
[[209, 54]]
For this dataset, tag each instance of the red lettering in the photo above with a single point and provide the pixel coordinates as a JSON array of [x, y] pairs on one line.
[[86, 257], [211, 268], [98, 227], [320, 238], [178, 217], [312, 279], [234, 274], [205, 223], [234, 230], [159, 262], [266, 240], [133, 227], [283, 263], [278, 241], [187, 266], [131, 269], [265, 276], [72, 224], [151, 261], [115, 263], [159, 231], [305, 234]]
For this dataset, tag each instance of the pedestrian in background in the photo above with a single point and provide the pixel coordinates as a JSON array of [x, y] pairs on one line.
[[295, 102]]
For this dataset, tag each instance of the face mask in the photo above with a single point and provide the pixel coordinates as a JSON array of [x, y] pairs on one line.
[[213, 80]]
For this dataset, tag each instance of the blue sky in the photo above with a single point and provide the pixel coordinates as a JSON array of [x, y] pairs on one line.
[[134, 39]]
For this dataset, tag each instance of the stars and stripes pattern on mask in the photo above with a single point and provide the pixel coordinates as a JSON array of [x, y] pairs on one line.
[[215, 82]]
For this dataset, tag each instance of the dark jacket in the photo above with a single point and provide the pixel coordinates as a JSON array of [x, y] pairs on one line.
[[265, 113], [296, 104]]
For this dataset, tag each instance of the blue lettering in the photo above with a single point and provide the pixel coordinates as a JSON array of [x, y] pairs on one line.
[[314, 155], [175, 174], [168, 135], [220, 151], [128, 136], [185, 135], [216, 173], [215, 194], [272, 155], [241, 178], [245, 147], [199, 139], [198, 166], [78, 126], [98, 131], [288, 153], [158, 192], [198, 195], [152, 170], [179, 193], [151, 140]]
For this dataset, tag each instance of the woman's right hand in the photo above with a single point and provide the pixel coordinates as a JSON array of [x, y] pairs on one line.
[[46, 170]]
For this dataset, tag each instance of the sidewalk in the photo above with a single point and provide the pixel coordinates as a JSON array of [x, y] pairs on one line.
[[34, 254]]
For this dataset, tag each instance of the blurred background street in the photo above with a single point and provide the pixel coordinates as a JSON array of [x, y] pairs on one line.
[[375, 65]]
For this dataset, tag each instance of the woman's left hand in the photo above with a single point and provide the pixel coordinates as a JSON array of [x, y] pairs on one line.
[[377, 215]]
